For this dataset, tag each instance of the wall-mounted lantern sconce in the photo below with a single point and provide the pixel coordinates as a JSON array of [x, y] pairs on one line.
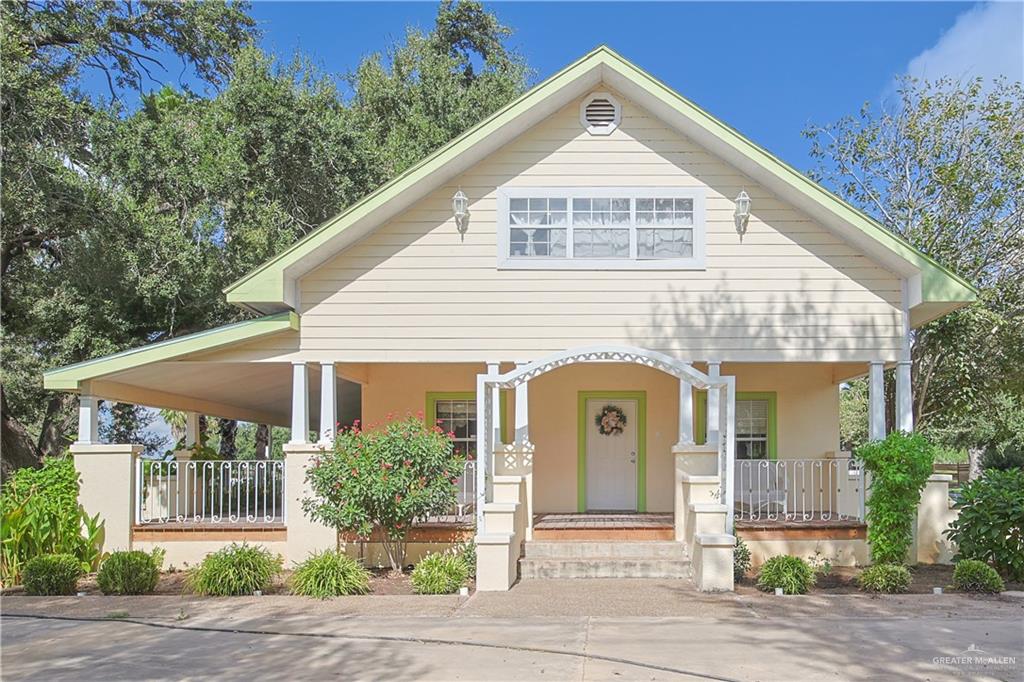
[[460, 209], [742, 215]]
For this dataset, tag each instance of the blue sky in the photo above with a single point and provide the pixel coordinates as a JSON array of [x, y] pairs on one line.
[[768, 69]]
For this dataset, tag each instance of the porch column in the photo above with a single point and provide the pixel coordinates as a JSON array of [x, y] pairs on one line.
[[876, 401], [191, 429], [485, 395], [522, 433], [714, 373], [88, 419], [685, 413], [300, 403], [518, 457], [493, 370], [904, 398], [328, 402]]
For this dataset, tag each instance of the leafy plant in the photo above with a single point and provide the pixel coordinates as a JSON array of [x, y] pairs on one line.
[[439, 574], [52, 574], [131, 572], [887, 578], [821, 564], [235, 570], [792, 574], [1006, 457], [467, 552], [990, 525], [971, 575], [330, 574], [384, 478], [740, 560], [41, 515], [899, 467]]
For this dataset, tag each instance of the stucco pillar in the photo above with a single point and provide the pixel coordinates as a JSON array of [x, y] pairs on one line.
[[876, 401], [904, 397], [300, 403], [934, 514], [328, 403], [88, 419], [714, 372], [304, 534], [107, 488]]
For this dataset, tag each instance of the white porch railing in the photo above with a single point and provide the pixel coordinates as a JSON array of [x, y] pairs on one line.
[[222, 491], [465, 498], [798, 490]]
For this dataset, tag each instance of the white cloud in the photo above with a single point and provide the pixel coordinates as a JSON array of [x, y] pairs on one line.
[[987, 40]]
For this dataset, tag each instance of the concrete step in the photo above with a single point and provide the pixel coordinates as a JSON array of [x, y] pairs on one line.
[[603, 567], [584, 549]]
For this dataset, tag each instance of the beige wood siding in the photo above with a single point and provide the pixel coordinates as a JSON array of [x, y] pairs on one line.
[[415, 290]]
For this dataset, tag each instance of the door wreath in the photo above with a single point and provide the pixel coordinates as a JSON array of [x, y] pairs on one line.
[[611, 421]]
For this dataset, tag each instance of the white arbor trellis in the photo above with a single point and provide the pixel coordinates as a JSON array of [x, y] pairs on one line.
[[489, 434]]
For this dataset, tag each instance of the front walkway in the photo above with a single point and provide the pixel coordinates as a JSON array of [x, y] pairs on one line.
[[557, 630]]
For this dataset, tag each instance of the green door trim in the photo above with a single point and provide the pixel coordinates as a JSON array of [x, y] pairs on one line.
[[430, 413], [701, 430], [581, 443]]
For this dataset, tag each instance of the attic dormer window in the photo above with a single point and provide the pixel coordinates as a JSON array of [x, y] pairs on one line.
[[600, 113]]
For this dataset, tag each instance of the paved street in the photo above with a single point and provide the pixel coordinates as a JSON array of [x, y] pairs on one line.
[[736, 637]]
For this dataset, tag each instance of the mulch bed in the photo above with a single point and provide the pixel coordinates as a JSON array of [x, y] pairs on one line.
[[843, 580]]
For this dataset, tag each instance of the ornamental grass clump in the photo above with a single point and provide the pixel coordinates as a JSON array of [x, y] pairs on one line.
[[792, 574], [50, 575], [330, 574], [439, 574], [885, 578], [131, 572], [384, 478], [971, 575], [899, 467], [235, 570]]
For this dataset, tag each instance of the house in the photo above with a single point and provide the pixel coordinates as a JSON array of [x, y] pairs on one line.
[[634, 318]]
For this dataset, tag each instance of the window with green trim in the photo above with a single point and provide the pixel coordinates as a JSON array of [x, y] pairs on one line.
[[455, 413], [756, 433]]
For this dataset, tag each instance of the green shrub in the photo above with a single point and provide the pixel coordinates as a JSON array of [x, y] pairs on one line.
[[467, 552], [384, 478], [740, 560], [132, 572], [330, 574], [439, 574], [887, 578], [989, 527], [899, 466], [41, 515], [1003, 458], [971, 575], [52, 574], [792, 574], [235, 570]]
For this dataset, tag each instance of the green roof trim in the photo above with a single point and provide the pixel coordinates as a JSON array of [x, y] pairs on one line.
[[266, 284], [71, 376]]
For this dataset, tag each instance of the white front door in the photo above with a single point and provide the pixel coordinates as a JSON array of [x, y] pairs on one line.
[[611, 454]]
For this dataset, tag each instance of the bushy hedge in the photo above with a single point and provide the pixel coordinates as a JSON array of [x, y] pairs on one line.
[[439, 574], [887, 578], [235, 570], [971, 575], [899, 466], [52, 574], [131, 572], [330, 574], [990, 525], [792, 574]]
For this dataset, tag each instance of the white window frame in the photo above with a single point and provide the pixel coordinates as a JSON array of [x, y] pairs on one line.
[[696, 262]]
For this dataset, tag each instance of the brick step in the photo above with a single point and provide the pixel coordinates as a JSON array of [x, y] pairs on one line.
[[604, 567], [583, 549]]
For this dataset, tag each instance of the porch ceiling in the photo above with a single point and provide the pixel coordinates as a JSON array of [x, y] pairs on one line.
[[250, 391]]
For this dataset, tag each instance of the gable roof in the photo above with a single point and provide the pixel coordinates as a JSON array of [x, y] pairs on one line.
[[932, 290]]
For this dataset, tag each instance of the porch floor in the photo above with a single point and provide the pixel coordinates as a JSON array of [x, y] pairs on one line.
[[603, 521]]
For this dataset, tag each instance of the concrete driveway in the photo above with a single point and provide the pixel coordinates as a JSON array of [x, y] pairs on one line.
[[558, 630]]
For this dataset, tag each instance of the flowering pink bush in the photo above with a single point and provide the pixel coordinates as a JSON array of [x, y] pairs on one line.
[[384, 478]]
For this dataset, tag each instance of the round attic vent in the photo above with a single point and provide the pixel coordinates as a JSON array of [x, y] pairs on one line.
[[600, 113]]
